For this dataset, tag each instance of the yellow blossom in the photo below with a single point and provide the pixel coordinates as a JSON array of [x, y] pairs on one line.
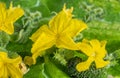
[[8, 17], [60, 31], [9, 67], [95, 51]]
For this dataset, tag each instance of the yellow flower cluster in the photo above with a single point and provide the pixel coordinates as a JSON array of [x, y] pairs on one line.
[[59, 32], [9, 68]]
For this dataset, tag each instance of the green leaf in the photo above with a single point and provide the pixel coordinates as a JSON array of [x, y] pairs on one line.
[[36, 71], [22, 49], [114, 70], [4, 39], [3, 49], [55, 5], [52, 70]]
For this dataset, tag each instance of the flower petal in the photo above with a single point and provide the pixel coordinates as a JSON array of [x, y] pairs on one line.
[[1, 63], [8, 17], [35, 55], [1, 72], [86, 48], [103, 43], [14, 13], [10, 67], [15, 61], [84, 65], [101, 63], [95, 44], [5, 72], [3, 56], [66, 42], [75, 27], [60, 21], [2, 12], [101, 53], [42, 29], [8, 28], [43, 42], [14, 71]]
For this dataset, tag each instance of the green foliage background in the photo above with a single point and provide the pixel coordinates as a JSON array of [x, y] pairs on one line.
[[102, 18]]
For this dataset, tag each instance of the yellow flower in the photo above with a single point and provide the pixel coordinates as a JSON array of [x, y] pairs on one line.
[[9, 67], [60, 31], [95, 51], [8, 17]]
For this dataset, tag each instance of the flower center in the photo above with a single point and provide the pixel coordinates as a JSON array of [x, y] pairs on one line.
[[57, 36], [94, 54], [5, 64]]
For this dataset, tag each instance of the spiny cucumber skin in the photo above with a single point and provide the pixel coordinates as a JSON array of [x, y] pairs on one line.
[[92, 72]]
